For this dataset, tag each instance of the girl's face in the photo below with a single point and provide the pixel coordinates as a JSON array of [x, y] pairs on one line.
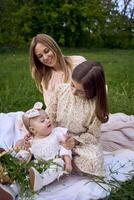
[[41, 125], [77, 89], [45, 55]]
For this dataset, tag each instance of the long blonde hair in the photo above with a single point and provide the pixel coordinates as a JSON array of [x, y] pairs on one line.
[[41, 72]]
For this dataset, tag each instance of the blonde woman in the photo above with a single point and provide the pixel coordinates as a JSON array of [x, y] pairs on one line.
[[49, 67]]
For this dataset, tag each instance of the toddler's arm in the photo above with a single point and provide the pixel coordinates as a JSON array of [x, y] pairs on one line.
[[68, 163]]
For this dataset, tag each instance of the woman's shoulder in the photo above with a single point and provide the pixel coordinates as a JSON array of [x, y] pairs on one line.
[[76, 60]]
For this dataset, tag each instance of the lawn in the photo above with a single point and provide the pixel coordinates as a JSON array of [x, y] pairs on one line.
[[18, 91]]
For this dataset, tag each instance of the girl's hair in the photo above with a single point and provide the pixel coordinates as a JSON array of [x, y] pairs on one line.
[[41, 72], [91, 75]]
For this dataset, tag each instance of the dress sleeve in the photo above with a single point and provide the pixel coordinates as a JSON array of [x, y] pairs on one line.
[[46, 94], [76, 60], [65, 152], [92, 135], [62, 132], [90, 156], [92, 125]]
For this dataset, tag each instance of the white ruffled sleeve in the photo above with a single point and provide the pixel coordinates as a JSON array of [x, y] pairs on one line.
[[61, 134], [65, 152]]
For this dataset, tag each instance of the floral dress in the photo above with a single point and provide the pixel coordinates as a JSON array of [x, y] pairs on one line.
[[77, 114], [57, 79]]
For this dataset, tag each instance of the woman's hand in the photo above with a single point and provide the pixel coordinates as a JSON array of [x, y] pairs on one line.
[[69, 142], [24, 143], [27, 141], [20, 143]]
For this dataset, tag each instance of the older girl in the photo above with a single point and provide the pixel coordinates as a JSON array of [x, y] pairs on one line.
[[49, 67], [81, 107]]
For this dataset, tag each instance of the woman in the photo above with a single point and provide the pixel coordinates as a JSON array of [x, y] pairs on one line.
[[49, 67]]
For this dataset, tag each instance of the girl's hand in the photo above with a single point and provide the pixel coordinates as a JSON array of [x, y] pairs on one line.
[[69, 142]]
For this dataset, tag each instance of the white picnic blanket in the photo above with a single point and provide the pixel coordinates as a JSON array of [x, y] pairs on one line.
[[118, 132], [10, 129], [118, 164]]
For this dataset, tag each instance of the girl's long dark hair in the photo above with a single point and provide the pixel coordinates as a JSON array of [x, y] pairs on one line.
[[91, 75]]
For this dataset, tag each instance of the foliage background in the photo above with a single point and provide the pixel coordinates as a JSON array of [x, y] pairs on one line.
[[72, 23]]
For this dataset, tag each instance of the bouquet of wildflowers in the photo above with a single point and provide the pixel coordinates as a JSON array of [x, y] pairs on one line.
[[12, 169]]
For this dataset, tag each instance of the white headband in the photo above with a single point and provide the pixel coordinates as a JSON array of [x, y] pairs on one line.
[[34, 112]]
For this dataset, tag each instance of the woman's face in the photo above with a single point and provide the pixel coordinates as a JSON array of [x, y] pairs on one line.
[[77, 89], [45, 55]]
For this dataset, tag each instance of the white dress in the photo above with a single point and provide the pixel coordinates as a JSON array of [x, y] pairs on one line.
[[48, 148]]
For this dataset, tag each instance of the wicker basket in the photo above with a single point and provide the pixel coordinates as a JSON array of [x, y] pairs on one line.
[[4, 178]]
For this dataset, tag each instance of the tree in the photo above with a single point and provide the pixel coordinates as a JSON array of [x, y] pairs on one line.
[[72, 23]]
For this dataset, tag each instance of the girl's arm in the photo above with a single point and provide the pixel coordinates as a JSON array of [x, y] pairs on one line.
[[91, 136], [70, 142]]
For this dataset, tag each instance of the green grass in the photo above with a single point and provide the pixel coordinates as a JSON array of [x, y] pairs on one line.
[[18, 91], [119, 71]]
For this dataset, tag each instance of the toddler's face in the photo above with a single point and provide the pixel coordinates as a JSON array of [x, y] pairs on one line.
[[41, 125]]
